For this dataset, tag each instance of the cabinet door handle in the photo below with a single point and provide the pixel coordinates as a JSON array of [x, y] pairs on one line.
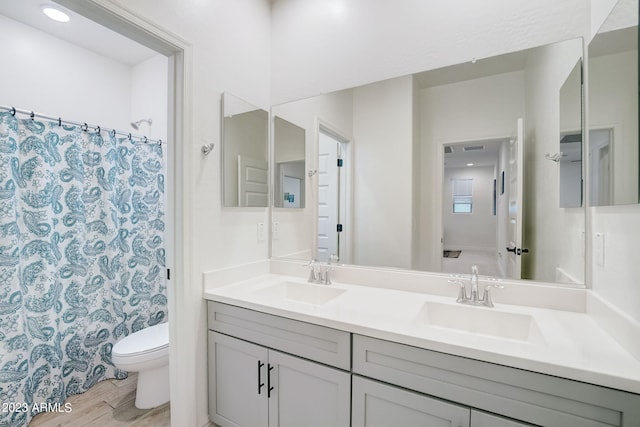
[[260, 383], [269, 388]]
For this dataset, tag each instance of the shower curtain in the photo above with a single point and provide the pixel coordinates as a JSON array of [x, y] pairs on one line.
[[82, 258]]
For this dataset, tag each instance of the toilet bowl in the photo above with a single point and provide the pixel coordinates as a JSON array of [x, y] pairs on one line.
[[146, 352]]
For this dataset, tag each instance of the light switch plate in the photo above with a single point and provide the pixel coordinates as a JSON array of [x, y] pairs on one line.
[[275, 230], [261, 232]]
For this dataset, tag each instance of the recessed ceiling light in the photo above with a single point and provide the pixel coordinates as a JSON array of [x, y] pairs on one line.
[[55, 14], [469, 164]]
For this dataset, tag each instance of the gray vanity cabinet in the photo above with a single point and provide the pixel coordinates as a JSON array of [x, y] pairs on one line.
[[235, 397], [375, 404], [254, 384], [526, 396]]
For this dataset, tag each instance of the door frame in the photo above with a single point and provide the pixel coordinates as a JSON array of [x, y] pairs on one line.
[[346, 188], [180, 199]]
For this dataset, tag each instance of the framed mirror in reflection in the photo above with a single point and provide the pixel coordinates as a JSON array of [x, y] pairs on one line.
[[245, 168], [613, 109], [290, 170], [398, 190]]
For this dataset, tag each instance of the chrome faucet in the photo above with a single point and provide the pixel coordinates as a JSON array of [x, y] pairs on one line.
[[473, 298], [474, 283], [319, 272]]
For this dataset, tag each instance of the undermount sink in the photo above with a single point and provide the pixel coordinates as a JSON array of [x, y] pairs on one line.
[[479, 320], [301, 292]]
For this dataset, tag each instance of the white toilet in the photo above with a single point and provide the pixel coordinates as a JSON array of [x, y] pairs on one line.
[[146, 352]]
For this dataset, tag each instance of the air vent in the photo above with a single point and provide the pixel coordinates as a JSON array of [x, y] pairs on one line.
[[474, 148], [576, 137], [448, 149]]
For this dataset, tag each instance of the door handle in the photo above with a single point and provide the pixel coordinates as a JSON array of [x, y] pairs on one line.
[[269, 388], [518, 251], [260, 383]]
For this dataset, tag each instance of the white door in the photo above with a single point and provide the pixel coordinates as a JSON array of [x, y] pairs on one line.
[[514, 230], [328, 196], [252, 181], [380, 405], [237, 382], [307, 394]]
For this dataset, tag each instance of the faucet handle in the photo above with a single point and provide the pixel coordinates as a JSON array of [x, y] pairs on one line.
[[462, 293], [313, 275], [486, 296]]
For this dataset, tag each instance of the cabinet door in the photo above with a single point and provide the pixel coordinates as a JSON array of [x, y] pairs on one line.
[[380, 405], [307, 394], [235, 395], [482, 419]]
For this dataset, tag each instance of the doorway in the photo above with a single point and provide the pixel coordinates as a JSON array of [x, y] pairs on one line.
[[119, 21], [473, 214]]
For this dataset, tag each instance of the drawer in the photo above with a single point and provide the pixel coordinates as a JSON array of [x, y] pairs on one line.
[[528, 396], [321, 344]]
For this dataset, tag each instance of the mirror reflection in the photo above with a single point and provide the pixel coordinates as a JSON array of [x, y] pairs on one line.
[[613, 110], [244, 153], [399, 189], [569, 154], [289, 151]]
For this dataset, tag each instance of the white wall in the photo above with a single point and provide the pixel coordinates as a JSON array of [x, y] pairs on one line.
[[149, 94], [617, 279], [476, 230], [383, 191], [554, 236], [52, 77], [230, 51], [319, 46]]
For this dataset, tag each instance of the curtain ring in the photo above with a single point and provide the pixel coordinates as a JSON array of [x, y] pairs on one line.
[[129, 137], [98, 130], [145, 139], [32, 115], [113, 133], [159, 142], [59, 121], [84, 127], [13, 111]]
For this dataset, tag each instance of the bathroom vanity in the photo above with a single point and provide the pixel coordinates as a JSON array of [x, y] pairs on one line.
[[282, 350]]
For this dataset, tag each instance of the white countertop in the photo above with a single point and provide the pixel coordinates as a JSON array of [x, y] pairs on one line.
[[563, 343]]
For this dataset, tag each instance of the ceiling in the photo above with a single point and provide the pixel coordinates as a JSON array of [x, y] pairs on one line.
[[78, 31], [485, 157]]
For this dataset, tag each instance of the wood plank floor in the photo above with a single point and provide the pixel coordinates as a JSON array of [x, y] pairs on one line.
[[109, 403]]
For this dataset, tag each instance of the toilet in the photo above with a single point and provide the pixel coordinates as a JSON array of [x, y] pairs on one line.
[[146, 352]]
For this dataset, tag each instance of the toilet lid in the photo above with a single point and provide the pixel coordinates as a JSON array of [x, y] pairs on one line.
[[145, 340]]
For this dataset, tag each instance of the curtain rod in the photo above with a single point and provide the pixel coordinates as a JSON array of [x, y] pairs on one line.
[[85, 127]]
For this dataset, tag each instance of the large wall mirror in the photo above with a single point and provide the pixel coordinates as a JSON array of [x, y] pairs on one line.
[[447, 168], [245, 139], [613, 109]]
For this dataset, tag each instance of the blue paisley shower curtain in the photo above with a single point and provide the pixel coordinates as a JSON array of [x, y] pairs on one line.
[[82, 257]]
